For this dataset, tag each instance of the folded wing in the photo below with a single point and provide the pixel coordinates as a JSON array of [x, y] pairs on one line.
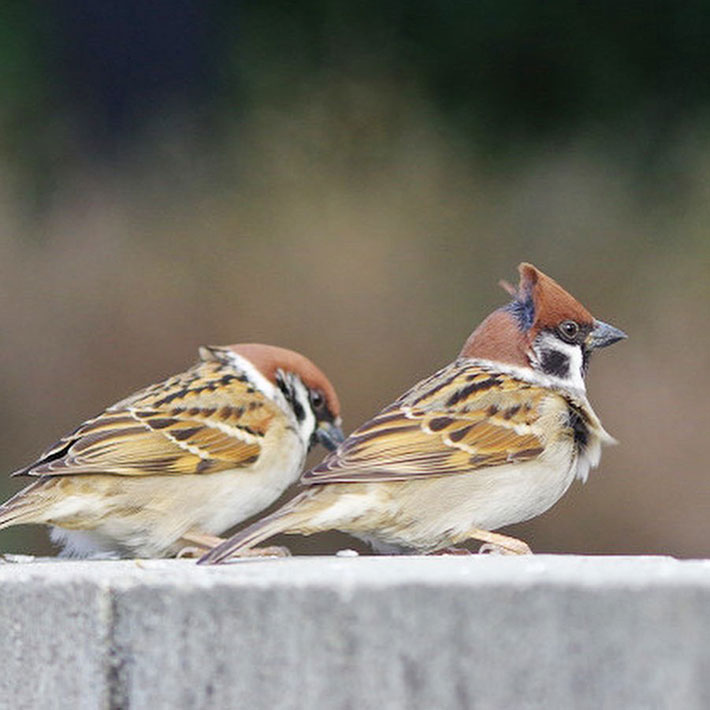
[[459, 420], [205, 420]]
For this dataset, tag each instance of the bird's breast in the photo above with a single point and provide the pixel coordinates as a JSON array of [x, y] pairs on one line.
[[234, 495]]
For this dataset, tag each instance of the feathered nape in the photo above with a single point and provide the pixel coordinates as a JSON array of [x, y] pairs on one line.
[[498, 339]]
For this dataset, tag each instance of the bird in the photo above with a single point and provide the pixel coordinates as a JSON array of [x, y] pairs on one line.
[[494, 438], [181, 461]]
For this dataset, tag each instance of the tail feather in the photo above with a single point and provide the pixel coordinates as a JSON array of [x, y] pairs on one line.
[[24, 507], [279, 521]]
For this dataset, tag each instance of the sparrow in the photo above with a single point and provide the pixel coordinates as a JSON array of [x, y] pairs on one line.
[[492, 439], [181, 461]]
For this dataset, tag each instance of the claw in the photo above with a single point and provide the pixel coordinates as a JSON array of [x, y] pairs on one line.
[[189, 551], [492, 548]]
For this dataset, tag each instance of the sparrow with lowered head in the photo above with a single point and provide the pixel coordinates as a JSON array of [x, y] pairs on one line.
[[494, 438], [183, 460]]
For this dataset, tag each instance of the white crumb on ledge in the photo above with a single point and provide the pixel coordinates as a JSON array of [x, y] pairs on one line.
[[347, 553]]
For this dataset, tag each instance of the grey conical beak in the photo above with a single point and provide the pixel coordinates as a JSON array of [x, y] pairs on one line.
[[329, 434], [604, 334]]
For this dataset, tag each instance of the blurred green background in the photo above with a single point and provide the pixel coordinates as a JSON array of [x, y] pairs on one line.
[[351, 180]]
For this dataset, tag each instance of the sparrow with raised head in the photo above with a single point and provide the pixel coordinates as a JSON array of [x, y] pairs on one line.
[[494, 438], [181, 461]]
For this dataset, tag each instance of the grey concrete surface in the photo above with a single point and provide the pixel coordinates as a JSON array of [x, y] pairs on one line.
[[350, 633]]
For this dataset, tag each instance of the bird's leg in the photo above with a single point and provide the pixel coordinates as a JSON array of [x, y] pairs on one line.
[[197, 543], [495, 543], [200, 539]]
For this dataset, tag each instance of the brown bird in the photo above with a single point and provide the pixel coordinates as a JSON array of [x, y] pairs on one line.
[[494, 438], [182, 460]]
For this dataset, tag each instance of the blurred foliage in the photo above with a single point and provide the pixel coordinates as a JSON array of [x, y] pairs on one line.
[[502, 73]]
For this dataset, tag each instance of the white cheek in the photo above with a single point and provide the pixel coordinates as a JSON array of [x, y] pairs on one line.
[[576, 363], [307, 425], [573, 353]]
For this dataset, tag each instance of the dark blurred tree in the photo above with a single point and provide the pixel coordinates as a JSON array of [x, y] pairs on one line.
[[83, 76], [503, 73]]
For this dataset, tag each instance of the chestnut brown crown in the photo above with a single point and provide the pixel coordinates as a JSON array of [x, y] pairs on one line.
[[539, 303], [269, 359]]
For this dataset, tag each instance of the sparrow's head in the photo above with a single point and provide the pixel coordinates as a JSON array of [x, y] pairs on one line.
[[306, 389], [544, 328]]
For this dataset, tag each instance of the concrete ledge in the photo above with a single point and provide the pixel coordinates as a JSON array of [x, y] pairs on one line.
[[372, 632]]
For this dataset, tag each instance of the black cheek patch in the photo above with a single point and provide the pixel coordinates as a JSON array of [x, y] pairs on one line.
[[298, 410], [555, 363], [291, 398]]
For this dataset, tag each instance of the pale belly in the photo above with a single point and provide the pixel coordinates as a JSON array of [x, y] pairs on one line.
[[146, 516], [436, 512]]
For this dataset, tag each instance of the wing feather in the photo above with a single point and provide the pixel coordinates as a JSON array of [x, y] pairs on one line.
[[210, 418], [462, 418]]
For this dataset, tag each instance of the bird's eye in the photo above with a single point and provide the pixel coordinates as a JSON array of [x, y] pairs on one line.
[[569, 329], [317, 399]]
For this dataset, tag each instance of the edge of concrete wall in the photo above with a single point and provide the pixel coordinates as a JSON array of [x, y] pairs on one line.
[[381, 632]]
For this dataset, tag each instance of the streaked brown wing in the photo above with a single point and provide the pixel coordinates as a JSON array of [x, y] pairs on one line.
[[461, 419], [207, 419]]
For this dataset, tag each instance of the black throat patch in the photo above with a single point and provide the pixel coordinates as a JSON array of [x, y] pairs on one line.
[[580, 431]]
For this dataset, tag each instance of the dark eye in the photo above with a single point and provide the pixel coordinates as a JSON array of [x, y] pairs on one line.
[[569, 330], [317, 399]]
